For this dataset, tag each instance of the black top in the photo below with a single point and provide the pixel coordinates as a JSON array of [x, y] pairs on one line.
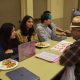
[[13, 44]]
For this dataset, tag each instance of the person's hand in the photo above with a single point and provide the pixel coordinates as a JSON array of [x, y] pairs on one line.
[[67, 49], [8, 51], [60, 33]]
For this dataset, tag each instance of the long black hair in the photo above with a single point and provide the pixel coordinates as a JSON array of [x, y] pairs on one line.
[[5, 34], [5, 31], [23, 28]]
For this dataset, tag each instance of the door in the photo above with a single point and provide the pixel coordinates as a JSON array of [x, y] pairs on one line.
[[10, 12]]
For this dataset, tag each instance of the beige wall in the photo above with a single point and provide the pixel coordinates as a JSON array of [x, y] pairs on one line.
[[23, 8], [33, 7], [61, 10], [68, 6], [38, 7], [78, 5], [29, 7], [10, 11], [56, 8], [26, 8]]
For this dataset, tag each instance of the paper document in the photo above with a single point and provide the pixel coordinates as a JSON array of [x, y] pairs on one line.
[[48, 56], [61, 45]]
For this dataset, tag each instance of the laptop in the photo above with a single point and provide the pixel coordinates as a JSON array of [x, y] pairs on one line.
[[22, 74], [25, 50]]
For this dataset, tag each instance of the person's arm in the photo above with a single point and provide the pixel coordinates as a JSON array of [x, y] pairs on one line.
[[16, 42], [41, 34], [71, 55], [59, 29], [57, 38], [53, 26], [3, 55]]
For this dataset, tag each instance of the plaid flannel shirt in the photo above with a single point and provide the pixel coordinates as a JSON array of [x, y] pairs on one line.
[[71, 56]]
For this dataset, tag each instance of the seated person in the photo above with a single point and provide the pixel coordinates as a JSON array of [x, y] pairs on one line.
[[59, 31], [71, 55], [26, 32], [76, 13], [8, 41], [44, 32]]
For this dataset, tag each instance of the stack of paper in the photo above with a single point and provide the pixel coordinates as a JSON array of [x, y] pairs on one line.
[[48, 56], [61, 45]]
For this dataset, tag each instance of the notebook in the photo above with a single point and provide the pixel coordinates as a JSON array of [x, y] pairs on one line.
[[25, 51], [61, 46], [51, 57], [22, 74]]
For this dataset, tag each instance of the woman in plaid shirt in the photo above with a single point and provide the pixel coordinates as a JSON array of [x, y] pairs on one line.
[[71, 55]]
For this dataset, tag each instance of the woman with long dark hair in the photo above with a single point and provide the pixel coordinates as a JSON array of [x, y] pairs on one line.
[[8, 41], [26, 32]]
